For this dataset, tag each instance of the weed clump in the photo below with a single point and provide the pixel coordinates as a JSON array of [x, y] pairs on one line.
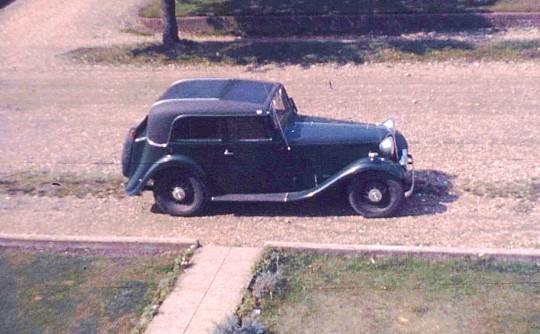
[[236, 325], [267, 282]]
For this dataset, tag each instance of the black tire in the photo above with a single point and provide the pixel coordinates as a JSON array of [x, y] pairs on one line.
[[169, 184], [385, 199]]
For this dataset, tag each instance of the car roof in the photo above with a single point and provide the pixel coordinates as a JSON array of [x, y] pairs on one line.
[[208, 97], [240, 90]]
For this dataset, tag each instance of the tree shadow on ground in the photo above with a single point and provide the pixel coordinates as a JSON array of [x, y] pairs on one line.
[[388, 25], [294, 52], [432, 194], [328, 17], [332, 7]]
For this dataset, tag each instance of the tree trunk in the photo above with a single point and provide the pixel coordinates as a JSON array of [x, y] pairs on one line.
[[168, 18]]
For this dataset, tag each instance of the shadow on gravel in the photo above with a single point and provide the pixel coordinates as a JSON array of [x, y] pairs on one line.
[[433, 193], [266, 51], [311, 51], [4, 3]]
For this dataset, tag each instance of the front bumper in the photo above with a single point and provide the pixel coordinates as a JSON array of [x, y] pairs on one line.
[[410, 176]]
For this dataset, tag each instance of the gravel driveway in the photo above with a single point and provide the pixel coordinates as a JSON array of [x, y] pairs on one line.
[[472, 127]]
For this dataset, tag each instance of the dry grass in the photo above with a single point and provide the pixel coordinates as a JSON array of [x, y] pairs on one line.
[[82, 294], [330, 294], [513, 6], [60, 185], [422, 48]]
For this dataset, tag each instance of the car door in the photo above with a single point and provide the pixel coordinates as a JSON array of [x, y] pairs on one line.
[[254, 158], [200, 138]]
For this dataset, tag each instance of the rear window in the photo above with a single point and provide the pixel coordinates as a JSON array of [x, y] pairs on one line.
[[197, 128]]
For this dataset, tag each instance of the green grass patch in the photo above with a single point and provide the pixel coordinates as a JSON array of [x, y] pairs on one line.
[[305, 53], [334, 294], [61, 184], [325, 7], [46, 293]]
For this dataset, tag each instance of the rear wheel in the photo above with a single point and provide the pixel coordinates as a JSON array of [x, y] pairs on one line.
[[179, 194], [375, 197]]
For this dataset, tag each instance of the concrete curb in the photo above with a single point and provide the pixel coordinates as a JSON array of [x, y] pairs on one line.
[[521, 255], [93, 245]]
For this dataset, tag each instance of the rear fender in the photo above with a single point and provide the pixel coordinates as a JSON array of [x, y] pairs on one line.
[[175, 162]]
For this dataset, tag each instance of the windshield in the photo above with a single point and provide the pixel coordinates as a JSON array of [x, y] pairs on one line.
[[283, 108]]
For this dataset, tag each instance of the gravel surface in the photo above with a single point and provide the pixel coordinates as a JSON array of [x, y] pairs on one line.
[[470, 126]]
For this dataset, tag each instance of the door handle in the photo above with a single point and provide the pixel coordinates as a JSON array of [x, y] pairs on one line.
[[228, 153]]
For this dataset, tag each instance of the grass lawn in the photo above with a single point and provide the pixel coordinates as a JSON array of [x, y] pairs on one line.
[[333, 294], [45, 293], [318, 7]]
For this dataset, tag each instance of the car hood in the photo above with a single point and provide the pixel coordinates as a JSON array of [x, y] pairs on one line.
[[317, 131]]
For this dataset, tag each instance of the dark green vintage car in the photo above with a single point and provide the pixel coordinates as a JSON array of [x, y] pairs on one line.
[[243, 140]]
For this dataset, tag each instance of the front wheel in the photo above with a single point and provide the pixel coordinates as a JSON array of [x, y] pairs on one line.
[[179, 194], [375, 197]]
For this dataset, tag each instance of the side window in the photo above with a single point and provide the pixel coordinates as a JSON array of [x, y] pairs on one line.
[[197, 128], [249, 128]]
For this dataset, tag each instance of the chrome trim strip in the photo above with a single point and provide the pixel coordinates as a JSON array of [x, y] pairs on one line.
[[151, 143], [140, 139], [160, 102], [404, 158], [195, 79]]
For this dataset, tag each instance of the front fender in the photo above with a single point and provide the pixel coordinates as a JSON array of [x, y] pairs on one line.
[[141, 177], [356, 168]]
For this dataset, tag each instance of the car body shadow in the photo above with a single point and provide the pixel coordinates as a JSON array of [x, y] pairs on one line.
[[432, 195]]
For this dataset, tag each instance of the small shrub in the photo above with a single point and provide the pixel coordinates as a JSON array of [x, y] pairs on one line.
[[266, 283], [235, 325]]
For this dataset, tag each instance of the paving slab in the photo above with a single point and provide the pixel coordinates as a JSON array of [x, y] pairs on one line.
[[207, 292]]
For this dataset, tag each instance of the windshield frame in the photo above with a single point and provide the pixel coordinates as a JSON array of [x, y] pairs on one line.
[[283, 108], [283, 111]]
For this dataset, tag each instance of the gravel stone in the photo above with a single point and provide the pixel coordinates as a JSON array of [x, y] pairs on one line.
[[473, 124]]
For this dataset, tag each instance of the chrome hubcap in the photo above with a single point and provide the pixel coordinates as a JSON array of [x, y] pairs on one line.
[[375, 195], [178, 194]]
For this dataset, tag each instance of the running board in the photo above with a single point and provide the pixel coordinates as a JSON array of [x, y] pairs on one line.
[[275, 197]]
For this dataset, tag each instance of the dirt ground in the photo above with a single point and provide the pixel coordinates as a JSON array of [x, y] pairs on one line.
[[470, 126]]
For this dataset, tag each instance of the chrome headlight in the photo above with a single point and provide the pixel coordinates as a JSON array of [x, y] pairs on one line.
[[387, 147]]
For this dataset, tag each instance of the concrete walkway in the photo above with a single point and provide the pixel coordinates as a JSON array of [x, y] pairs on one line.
[[207, 292]]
